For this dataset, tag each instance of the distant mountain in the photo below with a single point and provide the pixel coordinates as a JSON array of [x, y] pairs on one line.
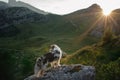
[[23, 4], [89, 14], [85, 20], [92, 9], [81, 24], [3, 5], [93, 20], [10, 16], [110, 23]]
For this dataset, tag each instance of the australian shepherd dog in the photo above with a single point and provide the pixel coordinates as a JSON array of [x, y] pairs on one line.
[[53, 57]]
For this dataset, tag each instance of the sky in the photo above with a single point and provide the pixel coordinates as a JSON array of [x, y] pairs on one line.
[[67, 6]]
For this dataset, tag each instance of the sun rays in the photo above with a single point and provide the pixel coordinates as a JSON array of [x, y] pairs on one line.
[[105, 20], [106, 12]]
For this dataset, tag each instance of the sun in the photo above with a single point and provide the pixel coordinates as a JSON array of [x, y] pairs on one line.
[[106, 12]]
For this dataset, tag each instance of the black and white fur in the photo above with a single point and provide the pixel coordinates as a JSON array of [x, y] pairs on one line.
[[53, 57]]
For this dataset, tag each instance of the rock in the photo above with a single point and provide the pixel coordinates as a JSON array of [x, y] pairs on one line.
[[67, 72], [16, 3], [13, 16], [4, 5]]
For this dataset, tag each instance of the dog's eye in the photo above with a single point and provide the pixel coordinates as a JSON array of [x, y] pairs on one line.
[[38, 64]]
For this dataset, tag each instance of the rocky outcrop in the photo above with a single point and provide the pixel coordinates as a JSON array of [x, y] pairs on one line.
[[17, 15], [22, 4], [16, 3], [98, 31], [67, 72], [4, 5], [21, 15], [10, 16]]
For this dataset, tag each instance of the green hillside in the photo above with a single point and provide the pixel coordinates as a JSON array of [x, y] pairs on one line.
[[63, 30], [105, 56], [71, 32], [33, 40]]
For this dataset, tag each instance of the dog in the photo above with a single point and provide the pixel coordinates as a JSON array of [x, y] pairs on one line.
[[53, 57]]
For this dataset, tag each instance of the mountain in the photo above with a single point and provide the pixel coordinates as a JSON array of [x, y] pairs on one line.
[[80, 25], [92, 9], [83, 26], [25, 35], [10, 16], [109, 23], [93, 18], [86, 18], [22, 4], [115, 20], [3, 5]]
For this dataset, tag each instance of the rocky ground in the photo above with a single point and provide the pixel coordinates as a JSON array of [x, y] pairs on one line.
[[67, 72]]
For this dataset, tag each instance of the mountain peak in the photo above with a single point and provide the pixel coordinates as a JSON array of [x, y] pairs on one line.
[[95, 7], [91, 9]]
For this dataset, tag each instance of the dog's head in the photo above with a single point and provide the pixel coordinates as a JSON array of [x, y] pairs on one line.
[[53, 46]]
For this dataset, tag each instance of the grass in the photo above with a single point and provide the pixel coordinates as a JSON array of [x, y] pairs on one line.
[[33, 35], [70, 33], [104, 56], [33, 40]]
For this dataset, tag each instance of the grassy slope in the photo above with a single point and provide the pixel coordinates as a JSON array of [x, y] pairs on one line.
[[104, 56], [34, 40], [69, 32], [59, 30]]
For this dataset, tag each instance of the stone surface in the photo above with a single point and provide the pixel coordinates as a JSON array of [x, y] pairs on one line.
[[67, 72]]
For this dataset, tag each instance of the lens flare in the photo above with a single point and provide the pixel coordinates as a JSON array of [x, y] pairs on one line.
[[107, 12]]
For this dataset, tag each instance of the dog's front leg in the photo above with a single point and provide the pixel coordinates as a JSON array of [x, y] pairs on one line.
[[40, 73]]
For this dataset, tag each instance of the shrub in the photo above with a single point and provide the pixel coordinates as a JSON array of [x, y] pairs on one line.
[[110, 71]]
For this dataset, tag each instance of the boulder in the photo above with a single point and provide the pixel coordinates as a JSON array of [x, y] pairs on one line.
[[67, 72]]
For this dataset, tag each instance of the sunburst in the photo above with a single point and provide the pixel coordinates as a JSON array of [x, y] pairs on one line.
[[107, 12]]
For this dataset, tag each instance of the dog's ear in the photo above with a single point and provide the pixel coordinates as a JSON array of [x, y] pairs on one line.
[[38, 59], [52, 46]]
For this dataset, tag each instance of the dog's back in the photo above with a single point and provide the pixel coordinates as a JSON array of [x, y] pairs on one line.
[[49, 57]]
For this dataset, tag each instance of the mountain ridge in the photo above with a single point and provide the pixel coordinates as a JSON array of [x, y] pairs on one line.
[[90, 9], [23, 4], [77, 22], [11, 16], [76, 19]]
